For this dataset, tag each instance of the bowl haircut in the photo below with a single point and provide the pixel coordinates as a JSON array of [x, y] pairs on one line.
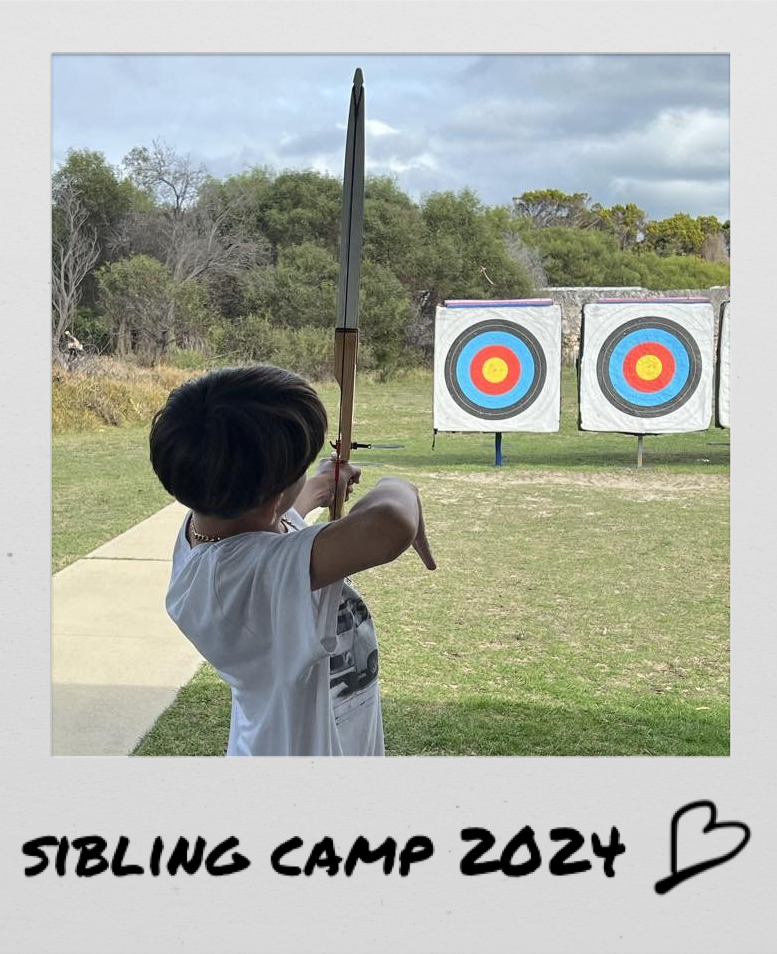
[[235, 438]]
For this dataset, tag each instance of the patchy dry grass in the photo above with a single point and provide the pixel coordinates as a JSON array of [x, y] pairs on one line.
[[104, 391]]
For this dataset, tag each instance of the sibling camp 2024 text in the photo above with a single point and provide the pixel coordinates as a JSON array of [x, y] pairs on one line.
[[91, 855]]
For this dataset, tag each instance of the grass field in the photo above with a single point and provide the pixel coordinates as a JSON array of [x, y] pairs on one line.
[[580, 607]]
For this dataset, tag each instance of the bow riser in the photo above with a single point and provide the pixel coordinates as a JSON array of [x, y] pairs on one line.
[[346, 348]]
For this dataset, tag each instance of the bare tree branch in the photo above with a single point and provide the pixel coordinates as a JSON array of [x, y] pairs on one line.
[[74, 253]]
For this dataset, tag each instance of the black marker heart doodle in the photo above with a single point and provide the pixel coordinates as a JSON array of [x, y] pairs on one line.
[[678, 876]]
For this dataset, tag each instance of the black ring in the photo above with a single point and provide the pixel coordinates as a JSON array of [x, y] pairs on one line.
[[509, 327], [658, 410]]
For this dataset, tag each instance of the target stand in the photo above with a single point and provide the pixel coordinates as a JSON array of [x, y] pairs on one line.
[[497, 367]]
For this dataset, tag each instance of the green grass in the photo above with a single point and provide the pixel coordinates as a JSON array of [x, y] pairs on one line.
[[580, 607], [102, 484]]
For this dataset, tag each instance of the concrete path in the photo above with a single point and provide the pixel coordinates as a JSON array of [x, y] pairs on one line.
[[118, 660]]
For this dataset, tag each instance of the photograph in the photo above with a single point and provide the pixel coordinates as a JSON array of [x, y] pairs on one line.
[[390, 404]]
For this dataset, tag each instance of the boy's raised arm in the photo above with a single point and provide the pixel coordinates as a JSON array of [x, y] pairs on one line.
[[378, 528]]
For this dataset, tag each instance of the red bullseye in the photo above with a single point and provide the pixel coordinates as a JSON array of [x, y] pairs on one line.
[[495, 369], [649, 367]]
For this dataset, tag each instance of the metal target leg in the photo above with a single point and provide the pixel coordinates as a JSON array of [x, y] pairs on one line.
[[639, 449], [498, 449]]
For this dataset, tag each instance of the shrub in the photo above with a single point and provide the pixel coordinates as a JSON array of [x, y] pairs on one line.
[[93, 330], [308, 351]]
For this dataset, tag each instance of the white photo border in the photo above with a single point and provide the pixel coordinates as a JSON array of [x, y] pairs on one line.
[[266, 801]]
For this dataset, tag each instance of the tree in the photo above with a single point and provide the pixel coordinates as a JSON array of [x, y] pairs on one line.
[[466, 255], [678, 235], [713, 248], [74, 252], [170, 179], [300, 290], [136, 293], [193, 228], [394, 233], [384, 313], [104, 196], [302, 207], [576, 257], [627, 222], [549, 207], [664, 272]]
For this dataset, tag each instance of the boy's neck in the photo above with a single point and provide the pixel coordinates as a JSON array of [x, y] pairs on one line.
[[249, 522]]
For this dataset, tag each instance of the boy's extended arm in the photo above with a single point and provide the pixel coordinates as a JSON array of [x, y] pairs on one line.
[[378, 528]]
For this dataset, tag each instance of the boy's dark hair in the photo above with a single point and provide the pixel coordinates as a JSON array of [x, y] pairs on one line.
[[236, 437]]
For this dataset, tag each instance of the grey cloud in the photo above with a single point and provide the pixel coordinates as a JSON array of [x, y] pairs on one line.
[[497, 124]]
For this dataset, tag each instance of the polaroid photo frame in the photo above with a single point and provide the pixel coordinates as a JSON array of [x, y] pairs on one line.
[[722, 806]]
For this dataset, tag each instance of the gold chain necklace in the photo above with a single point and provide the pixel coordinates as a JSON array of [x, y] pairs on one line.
[[205, 539]]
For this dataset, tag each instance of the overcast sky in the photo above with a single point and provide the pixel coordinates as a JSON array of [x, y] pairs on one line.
[[647, 129]]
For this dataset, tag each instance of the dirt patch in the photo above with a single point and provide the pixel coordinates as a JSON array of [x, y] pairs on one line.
[[647, 485]]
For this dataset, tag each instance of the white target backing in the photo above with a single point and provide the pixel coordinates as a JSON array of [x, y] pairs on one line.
[[646, 365], [497, 366], [724, 399]]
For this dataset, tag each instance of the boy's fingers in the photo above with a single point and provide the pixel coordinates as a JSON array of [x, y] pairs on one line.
[[421, 547], [421, 544]]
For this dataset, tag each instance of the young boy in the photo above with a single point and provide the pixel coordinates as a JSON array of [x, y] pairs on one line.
[[265, 598]]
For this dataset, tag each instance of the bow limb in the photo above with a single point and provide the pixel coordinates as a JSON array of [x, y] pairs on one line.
[[347, 332]]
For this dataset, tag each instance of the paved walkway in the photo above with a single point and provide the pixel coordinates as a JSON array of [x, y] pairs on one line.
[[118, 660]]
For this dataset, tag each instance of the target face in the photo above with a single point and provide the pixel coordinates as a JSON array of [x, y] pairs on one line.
[[646, 365], [495, 369], [649, 367], [497, 366]]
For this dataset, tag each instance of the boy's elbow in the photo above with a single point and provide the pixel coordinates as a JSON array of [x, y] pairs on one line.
[[394, 531]]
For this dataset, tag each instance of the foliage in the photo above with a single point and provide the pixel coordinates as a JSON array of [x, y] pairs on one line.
[[681, 234], [105, 196], [306, 350], [167, 178], [302, 207], [192, 314], [466, 256], [574, 257], [679, 271], [260, 250], [551, 207], [74, 252], [301, 289], [627, 222], [93, 330], [136, 294], [394, 231], [385, 313]]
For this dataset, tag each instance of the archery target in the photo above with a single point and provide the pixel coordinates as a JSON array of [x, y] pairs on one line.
[[724, 402], [497, 366], [646, 366]]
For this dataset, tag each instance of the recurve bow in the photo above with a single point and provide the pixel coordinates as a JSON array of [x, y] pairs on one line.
[[347, 328]]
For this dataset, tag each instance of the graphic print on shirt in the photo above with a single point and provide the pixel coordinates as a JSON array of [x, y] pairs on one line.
[[353, 672]]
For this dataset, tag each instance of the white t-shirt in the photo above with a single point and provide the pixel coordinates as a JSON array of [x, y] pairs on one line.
[[302, 665]]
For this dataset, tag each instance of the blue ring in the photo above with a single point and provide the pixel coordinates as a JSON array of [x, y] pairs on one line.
[[464, 374], [653, 398]]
